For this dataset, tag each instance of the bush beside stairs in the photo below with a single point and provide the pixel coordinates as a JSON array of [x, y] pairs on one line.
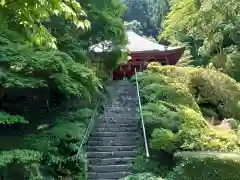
[[113, 143]]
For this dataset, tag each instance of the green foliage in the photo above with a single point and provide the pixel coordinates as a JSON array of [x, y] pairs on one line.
[[163, 139], [107, 25], [166, 89], [179, 18], [20, 156], [60, 143], [219, 90], [205, 85], [197, 134], [194, 133], [19, 163], [113, 58], [24, 67], [209, 30], [80, 114], [14, 80], [161, 114], [173, 99], [30, 15], [45, 44], [134, 26], [103, 75], [10, 119], [149, 13], [142, 176], [206, 165], [141, 164], [66, 131]]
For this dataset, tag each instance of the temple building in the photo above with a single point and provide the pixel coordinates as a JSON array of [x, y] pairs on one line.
[[141, 52]]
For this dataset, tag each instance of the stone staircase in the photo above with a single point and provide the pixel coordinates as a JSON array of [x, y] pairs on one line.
[[113, 143]]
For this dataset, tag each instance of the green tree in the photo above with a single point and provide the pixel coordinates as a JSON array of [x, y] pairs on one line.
[[209, 29], [134, 26], [28, 17], [150, 14]]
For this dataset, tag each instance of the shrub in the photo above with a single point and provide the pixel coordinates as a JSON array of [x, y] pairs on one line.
[[142, 176], [209, 140], [220, 139], [218, 89], [174, 93], [182, 74], [6, 118], [23, 156], [80, 115], [147, 78], [194, 133], [68, 131], [208, 85], [60, 143], [141, 164], [163, 139], [197, 134], [161, 114], [17, 163], [176, 101], [207, 166], [165, 89]]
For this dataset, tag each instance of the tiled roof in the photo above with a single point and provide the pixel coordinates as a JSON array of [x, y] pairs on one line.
[[136, 43]]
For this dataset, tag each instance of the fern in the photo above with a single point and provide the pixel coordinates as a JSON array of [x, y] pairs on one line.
[[67, 131], [21, 156], [22, 67]]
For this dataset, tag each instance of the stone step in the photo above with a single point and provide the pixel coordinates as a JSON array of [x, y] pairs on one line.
[[112, 116], [121, 115], [117, 107], [118, 129], [121, 110], [100, 179], [119, 122], [113, 134], [111, 148], [110, 161], [114, 125], [117, 138], [109, 168], [120, 119], [110, 175], [114, 143], [120, 101], [118, 154]]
